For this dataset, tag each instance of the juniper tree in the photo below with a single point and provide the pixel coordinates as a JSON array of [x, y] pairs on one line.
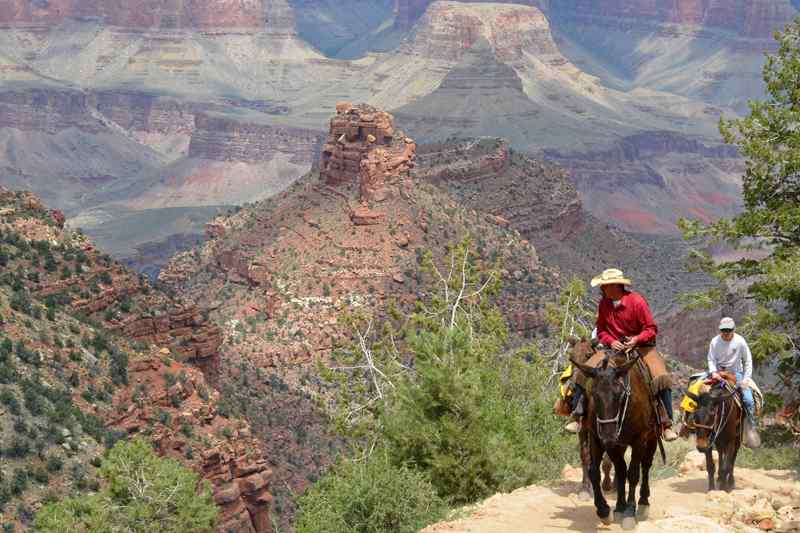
[[769, 226]]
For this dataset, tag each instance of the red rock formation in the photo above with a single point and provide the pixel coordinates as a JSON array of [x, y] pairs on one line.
[[198, 14], [25, 11], [749, 18], [362, 141], [183, 423], [182, 328]]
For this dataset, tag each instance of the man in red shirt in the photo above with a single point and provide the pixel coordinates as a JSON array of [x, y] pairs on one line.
[[624, 322]]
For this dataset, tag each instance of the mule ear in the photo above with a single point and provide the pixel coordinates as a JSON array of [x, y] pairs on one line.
[[573, 340], [588, 371]]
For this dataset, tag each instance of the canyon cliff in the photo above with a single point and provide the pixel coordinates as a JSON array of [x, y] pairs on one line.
[[136, 360], [283, 274], [166, 14], [185, 112], [750, 18]]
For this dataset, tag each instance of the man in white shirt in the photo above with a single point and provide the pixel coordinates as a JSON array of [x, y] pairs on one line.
[[729, 351]]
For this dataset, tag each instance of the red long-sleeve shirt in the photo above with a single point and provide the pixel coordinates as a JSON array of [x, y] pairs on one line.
[[631, 317]]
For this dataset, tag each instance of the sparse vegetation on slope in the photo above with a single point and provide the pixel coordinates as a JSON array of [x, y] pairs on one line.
[[438, 392], [79, 370]]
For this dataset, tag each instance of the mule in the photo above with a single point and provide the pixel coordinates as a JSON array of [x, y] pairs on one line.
[[621, 414], [717, 423]]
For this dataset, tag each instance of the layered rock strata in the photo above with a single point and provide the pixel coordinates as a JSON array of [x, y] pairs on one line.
[[224, 139], [223, 452], [98, 287], [363, 142], [164, 14], [748, 18]]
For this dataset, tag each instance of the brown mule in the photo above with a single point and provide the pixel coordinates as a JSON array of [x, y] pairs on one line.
[[717, 423], [621, 415]]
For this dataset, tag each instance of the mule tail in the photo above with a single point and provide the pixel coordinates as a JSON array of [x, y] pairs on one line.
[[661, 449]]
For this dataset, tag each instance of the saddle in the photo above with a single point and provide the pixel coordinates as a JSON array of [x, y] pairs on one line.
[[700, 384]]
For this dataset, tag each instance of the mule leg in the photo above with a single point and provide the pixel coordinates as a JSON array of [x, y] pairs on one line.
[[585, 492], [607, 464], [634, 468], [617, 456], [732, 453], [722, 470], [600, 503], [644, 491], [710, 468]]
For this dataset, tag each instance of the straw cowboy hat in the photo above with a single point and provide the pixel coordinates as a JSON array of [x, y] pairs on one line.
[[610, 276]]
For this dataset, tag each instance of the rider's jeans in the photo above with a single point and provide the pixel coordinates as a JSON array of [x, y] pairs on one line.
[[747, 397]]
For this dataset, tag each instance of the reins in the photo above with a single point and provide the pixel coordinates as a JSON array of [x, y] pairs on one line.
[[622, 412], [721, 415]]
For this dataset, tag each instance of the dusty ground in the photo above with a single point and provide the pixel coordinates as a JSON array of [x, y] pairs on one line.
[[673, 501]]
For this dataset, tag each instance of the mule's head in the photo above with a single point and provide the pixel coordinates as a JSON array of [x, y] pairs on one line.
[[704, 418], [608, 397], [581, 349]]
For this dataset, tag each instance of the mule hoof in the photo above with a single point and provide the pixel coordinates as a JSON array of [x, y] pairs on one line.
[[618, 516], [606, 520], [643, 512], [628, 523], [584, 496]]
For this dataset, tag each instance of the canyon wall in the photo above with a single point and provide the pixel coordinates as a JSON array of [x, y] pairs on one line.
[[747, 18], [166, 14], [47, 111], [224, 139]]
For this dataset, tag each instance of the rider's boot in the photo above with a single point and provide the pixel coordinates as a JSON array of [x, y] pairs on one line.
[[751, 437], [573, 427], [578, 410], [665, 406]]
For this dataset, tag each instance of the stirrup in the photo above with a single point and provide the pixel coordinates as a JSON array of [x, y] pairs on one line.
[[669, 435]]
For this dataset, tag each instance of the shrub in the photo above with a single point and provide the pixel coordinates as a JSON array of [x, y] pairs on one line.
[[20, 482], [451, 399], [9, 399], [18, 447], [373, 496], [41, 475], [21, 302], [8, 373], [480, 426], [167, 498], [54, 463], [119, 367]]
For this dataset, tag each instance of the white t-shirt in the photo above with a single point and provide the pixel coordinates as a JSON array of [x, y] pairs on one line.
[[733, 356]]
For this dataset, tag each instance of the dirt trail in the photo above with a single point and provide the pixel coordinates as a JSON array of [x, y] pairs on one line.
[[557, 508]]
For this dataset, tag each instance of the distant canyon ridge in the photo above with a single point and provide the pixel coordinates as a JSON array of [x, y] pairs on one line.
[[142, 120]]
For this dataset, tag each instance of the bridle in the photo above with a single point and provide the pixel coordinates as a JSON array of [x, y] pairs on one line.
[[622, 411], [721, 415]]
